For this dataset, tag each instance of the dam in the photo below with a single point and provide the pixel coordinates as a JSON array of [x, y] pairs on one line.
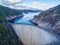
[[33, 35]]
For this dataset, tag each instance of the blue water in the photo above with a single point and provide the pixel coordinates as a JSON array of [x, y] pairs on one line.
[[26, 18]]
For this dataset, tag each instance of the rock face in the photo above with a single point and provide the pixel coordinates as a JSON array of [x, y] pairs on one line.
[[32, 35], [12, 17], [42, 24], [56, 28], [48, 17]]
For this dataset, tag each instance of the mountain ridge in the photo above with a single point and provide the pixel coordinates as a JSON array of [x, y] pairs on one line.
[[49, 18], [25, 9]]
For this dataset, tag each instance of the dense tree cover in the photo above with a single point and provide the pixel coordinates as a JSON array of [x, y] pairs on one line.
[[58, 11], [6, 35], [8, 11]]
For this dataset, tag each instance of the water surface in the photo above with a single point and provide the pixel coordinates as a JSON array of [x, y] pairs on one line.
[[26, 18]]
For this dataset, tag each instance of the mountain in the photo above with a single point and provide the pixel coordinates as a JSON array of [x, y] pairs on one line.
[[49, 18], [9, 14], [54, 10], [26, 9], [9, 11], [20, 10], [30, 11], [7, 35]]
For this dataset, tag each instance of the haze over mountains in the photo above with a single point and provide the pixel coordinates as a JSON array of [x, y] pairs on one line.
[[23, 9], [26, 9]]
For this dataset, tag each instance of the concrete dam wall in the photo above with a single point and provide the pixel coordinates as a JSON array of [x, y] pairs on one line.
[[32, 35]]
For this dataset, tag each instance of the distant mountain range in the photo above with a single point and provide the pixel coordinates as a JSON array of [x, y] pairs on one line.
[[9, 11], [30, 11], [26, 9]]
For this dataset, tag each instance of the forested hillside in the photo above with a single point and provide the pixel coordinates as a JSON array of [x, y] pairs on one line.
[[7, 37]]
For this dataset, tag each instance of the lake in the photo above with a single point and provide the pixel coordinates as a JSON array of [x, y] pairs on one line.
[[26, 18]]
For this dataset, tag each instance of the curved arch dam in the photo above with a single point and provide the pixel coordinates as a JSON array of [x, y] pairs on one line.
[[33, 35]]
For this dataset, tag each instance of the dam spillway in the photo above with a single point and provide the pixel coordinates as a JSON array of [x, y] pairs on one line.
[[32, 35]]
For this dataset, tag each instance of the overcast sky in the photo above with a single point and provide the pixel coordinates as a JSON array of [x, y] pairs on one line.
[[38, 4]]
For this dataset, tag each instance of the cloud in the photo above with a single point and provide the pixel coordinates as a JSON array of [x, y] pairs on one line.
[[23, 6], [43, 6], [35, 5], [16, 4], [9, 2], [14, 1]]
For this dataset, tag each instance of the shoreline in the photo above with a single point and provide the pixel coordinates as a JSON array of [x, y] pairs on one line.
[[12, 20]]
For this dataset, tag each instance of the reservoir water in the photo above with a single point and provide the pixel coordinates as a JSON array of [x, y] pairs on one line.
[[26, 18]]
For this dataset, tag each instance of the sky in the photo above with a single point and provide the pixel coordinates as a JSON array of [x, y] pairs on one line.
[[34, 4]]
